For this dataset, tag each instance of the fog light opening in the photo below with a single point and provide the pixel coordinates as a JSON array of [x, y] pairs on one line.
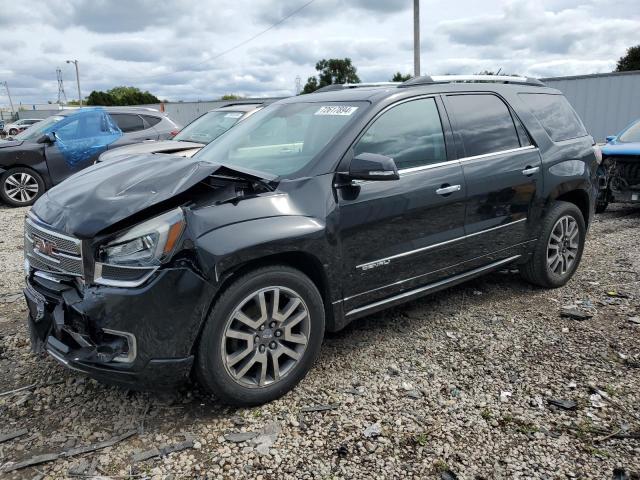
[[120, 346]]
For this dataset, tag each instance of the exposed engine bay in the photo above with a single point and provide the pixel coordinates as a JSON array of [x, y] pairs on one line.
[[621, 179]]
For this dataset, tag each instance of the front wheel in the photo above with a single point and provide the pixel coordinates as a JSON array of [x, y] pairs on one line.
[[13, 132], [559, 248], [261, 337], [20, 186]]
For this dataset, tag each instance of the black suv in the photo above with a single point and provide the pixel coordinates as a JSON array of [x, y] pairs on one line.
[[317, 210]]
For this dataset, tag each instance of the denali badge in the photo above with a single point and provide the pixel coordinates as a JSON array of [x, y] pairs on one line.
[[369, 266], [45, 247]]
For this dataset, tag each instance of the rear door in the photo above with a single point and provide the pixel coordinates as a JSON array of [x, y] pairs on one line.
[[502, 169], [399, 234]]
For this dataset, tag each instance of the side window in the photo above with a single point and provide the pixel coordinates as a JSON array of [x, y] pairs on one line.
[[484, 123], [128, 122], [151, 120], [555, 114], [69, 131], [410, 133], [525, 140]]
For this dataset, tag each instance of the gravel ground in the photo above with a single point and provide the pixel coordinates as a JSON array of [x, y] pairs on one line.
[[456, 385]]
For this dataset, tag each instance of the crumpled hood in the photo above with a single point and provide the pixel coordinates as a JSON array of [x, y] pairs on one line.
[[163, 146], [105, 193], [614, 148], [10, 143]]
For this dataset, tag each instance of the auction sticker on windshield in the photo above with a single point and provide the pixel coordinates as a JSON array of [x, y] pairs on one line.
[[336, 110]]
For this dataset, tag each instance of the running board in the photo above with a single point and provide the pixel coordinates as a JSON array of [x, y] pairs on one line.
[[432, 287]]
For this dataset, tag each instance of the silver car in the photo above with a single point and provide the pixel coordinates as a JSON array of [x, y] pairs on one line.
[[19, 125], [194, 136]]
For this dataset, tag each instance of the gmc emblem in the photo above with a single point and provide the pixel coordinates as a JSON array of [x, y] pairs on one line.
[[44, 246]]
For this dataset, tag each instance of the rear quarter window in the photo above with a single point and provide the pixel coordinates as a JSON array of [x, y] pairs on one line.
[[555, 114], [151, 120]]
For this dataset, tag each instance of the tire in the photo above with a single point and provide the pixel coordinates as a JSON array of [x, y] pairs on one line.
[[13, 132], [228, 346], [543, 268], [20, 187]]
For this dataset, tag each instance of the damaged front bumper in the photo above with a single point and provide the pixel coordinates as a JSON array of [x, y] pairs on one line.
[[139, 338]]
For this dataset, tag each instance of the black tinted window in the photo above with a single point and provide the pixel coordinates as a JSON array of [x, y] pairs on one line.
[[128, 122], [484, 124], [151, 120], [556, 115], [410, 133]]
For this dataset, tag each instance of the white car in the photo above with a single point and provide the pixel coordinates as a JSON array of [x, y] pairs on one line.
[[20, 125]]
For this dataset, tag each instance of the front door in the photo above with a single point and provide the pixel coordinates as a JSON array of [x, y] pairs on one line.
[[398, 234], [502, 168]]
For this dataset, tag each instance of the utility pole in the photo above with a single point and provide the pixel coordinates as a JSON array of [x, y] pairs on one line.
[[416, 38], [6, 86], [75, 62], [62, 97]]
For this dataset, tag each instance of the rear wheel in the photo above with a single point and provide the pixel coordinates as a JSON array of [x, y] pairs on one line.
[[13, 132], [559, 248], [261, 337], [20, 186]]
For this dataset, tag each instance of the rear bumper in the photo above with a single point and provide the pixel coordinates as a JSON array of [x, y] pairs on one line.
[[140, 338]]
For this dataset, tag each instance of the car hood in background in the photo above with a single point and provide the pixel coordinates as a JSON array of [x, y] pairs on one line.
[[615, 148], [10, 143], [164, 146], [106, 193]]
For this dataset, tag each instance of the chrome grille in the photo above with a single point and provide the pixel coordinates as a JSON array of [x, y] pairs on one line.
[[62, 253]]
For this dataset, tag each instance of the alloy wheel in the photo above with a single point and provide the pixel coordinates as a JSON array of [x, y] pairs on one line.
[[21, 187], [563, 246], [265, 337]]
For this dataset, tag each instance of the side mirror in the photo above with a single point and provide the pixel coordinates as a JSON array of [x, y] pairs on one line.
[[610, 138], [371, 166], [47, 138]]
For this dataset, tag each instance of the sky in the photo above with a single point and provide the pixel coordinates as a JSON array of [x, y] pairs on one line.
[[176, 48]]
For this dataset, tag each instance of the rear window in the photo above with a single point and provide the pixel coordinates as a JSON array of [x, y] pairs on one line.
[[556, 115], [484, 123]]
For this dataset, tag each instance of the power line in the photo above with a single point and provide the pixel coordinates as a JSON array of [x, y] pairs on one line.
[[244, 42]]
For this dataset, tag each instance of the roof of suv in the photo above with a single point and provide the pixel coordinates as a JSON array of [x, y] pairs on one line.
[[375, 93], [239, 107]]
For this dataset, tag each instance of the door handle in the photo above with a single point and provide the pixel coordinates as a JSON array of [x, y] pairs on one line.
[[447, 189], [530, 170]]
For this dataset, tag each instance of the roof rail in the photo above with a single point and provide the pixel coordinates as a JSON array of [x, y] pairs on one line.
[[433, 79], [345, 86]]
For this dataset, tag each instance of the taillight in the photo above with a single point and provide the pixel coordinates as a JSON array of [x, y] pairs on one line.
[[174, 132]]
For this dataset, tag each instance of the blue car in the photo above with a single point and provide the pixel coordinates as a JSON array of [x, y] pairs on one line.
[[620, 169]]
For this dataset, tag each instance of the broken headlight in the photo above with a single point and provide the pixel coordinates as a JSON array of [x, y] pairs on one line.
[[130, 258]]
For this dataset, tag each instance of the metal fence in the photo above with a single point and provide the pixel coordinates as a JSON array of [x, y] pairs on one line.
[[182, 113], [606, 102]]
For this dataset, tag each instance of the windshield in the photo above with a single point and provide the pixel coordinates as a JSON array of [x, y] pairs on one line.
[[631, 134], [208, 127], [37, 130], [282, 138]]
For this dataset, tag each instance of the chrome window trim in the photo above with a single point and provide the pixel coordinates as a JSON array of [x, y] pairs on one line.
[[408, 171], [501, 152], [432, 286], [436, 245]]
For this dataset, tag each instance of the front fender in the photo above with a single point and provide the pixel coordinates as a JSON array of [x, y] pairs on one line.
[[224, 249]]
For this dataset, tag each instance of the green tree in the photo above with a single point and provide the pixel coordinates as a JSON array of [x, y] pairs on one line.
[[121, 96], [630, 61], [399, 77], [230, 96], [332, 71]]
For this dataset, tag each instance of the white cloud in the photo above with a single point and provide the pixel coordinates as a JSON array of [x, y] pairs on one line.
[[173, 49]]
